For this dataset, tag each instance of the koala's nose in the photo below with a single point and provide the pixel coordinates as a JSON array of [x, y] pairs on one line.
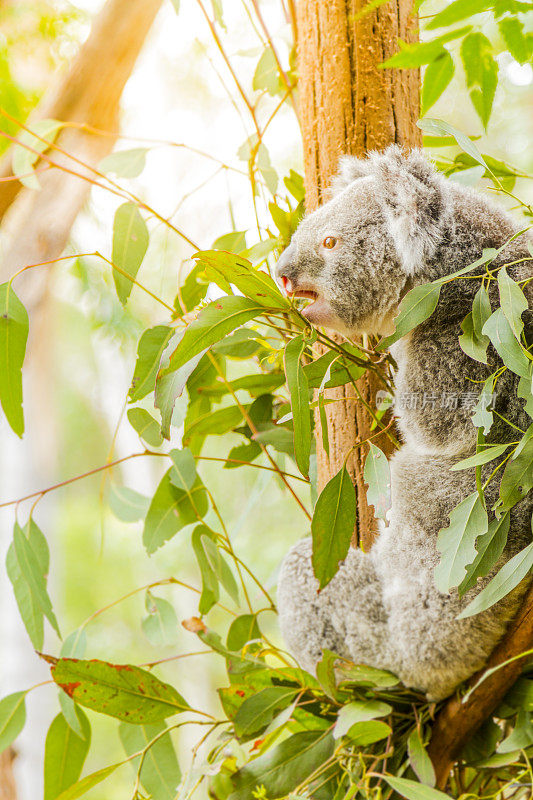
[[285, 268]]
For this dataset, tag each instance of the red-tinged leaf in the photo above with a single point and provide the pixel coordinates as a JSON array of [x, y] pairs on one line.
[[123, 691]]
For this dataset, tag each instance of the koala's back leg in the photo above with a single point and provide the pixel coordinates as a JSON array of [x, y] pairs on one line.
[[347, 616]]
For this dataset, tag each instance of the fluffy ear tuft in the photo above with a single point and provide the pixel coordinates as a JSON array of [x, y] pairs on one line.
[[350, 168], [415, 202]]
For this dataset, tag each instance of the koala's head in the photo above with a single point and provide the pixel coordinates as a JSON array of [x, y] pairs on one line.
[[358, 254]]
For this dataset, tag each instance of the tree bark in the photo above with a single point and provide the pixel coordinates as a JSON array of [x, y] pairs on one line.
[[8, 789], [349, 105]]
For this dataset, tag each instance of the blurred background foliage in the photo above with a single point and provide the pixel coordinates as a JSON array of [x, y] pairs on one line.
[[181, 105]]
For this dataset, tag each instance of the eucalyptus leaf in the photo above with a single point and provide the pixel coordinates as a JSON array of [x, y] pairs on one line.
[[123, 691], [332, 526], [456, 543], [130, 242], [14, 328], [299, 391], [507, 579]]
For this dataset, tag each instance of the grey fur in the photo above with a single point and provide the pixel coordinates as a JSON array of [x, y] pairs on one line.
[[399, 224]]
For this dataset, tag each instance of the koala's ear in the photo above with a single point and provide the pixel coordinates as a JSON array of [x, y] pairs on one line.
[[350, 168], [415, 202]]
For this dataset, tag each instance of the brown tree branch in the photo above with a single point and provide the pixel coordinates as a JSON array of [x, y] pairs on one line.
[[8, 788], [90, 91], [458, 721]]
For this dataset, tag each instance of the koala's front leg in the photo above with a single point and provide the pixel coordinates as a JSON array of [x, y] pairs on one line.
[[347, 616]]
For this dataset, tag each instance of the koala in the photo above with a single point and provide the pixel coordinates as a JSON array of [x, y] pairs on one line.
[[392, 223]]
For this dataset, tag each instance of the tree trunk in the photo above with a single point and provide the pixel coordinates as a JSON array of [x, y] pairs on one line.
[[8, 789], [349, 105]]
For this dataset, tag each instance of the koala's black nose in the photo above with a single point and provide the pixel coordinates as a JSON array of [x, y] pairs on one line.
[[285, 268]]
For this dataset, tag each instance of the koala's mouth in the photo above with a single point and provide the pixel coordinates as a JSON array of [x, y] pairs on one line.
[[293, 291]]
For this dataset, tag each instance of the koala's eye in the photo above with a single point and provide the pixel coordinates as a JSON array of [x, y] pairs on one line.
[[329, 242]]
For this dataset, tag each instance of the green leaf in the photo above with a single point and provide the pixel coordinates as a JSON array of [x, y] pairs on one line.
[[519, 45], [14, 328], [146, 426], [362, 734], [258, 710], [441, 128], [160, 773], [456, 11], [242, 630], [213, 422], [517, 477], [253, 283], [151, 347], [12, 718], [512, 301], [163, 520], [183, 474], [419, 759], [82, 787], [481, 71], [24, 159], [415, 54], [363, 675], [483, 457], [64, 755], [127, 504], [284, 767], [210, 589], [473, 342], [411, 789], [456, 543], [416, 306], [130, 242], [299, 391], [125, 163], [339, 373], [377, 476], [359, 711], [72, 713], [522, 735], [509, 576], [169, 387], [490, 547], [29, 608], [268, 172], [470, 344], [254, 384], [220, 566], [123, 691], [266, 75], [508, 348], [161, 625], [215, 321], [75, 645], [482, 417], [332, 526], [436, 78], [31, 568], [241, 344]]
